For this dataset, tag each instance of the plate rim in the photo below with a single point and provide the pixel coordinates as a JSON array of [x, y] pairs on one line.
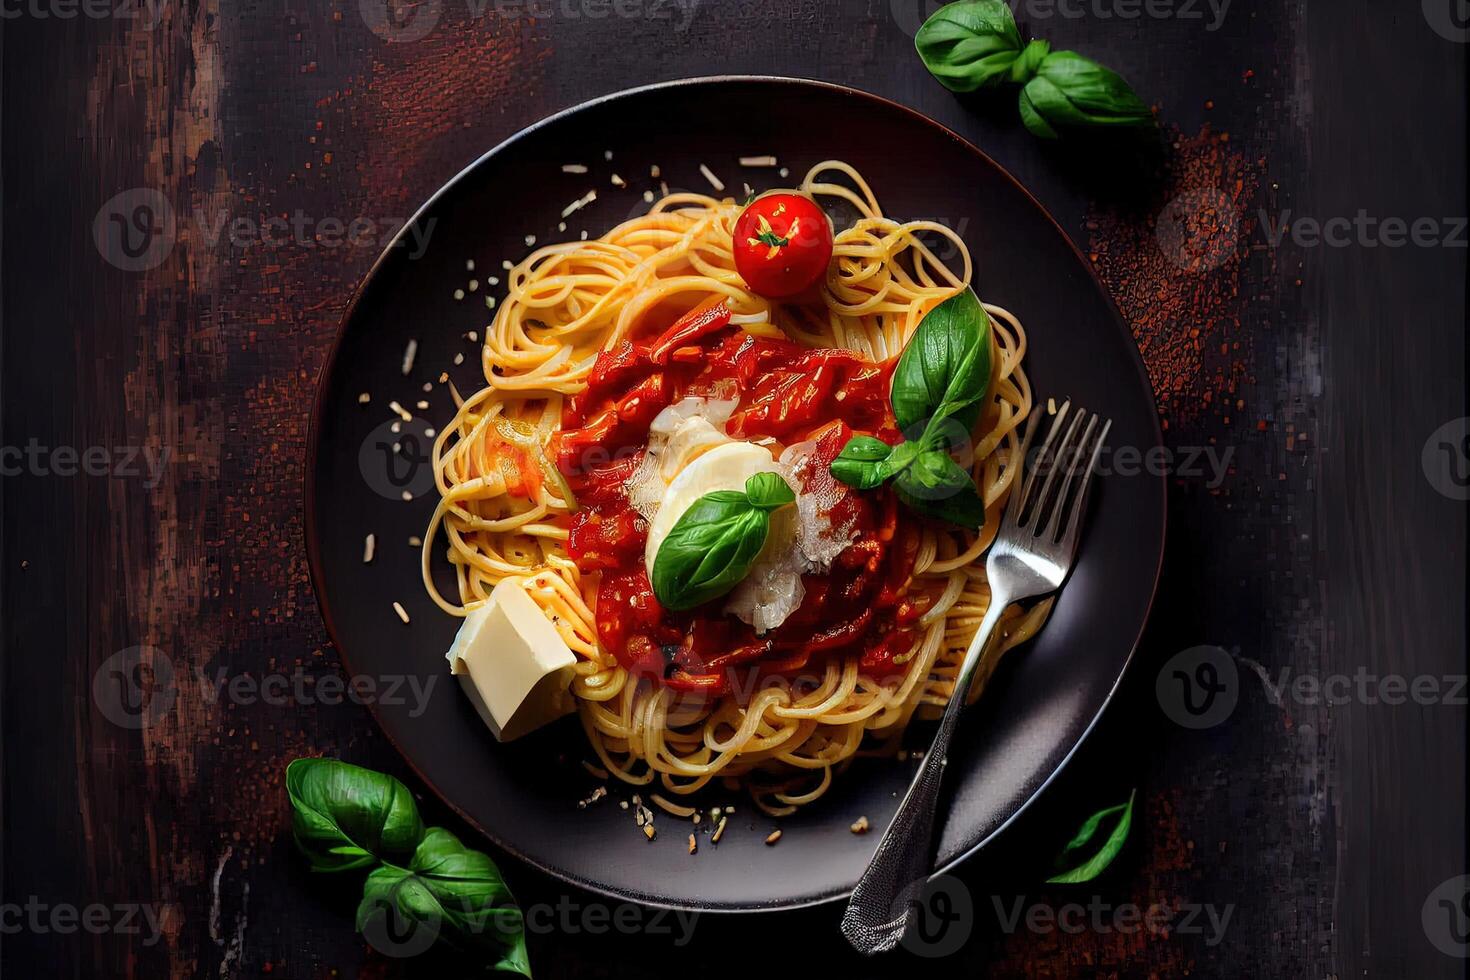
[[329, 364]]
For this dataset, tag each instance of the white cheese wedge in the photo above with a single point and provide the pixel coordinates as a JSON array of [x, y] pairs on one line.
[[512, 663], [725, 467]]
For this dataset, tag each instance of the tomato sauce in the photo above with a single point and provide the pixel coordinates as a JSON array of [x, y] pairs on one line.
[[787, 392]]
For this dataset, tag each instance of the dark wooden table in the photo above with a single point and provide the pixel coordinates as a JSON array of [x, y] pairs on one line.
[[1318, 369]]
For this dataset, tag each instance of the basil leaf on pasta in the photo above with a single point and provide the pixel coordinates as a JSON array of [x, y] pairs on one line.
[[713, 544], [944, 370], [936, 486]]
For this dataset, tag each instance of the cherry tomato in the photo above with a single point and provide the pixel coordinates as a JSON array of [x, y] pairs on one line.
[[783, 245]]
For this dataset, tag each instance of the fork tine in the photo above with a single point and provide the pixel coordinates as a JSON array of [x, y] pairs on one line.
[[1079, 504], [1018, 486], [1074, 464], [1056, 425], [1052, 464]]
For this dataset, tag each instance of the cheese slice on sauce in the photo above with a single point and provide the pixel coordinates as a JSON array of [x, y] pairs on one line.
[[512, 663], [725, 467]]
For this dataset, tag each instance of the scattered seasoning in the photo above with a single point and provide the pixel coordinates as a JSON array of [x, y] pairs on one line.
[[407, 495], [766, 161], [443, 376], [368, 544], [396, 428], [648, 831], [429, 385], [469, 265], [402, 613], [574, 168], [364, 398], [400, 411], [784, 172], [719, 831], [474, 285], [617, 181], [561, 226], [408, 355], [584, 234], [597, 794], [1194, 275], [459, 358], [429, 432], [648, 197], [421, 405], [709, 175], [530, 240], [623, 804], [663, 188], [772, 838], [415, 541], [693, 844], [654, 172], [473, 336], [1051, 406], [493, 280], [859, 826], [749, 191], [505, 264], [459, 294], [607, 154]]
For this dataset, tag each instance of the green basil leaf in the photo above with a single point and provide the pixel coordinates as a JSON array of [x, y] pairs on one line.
[[969, 45], [345, 817], [769, 491], [944, 370], [447, 892], [713, 544], [1099, 862], [1072, 92], [861, 462], [936, 486]]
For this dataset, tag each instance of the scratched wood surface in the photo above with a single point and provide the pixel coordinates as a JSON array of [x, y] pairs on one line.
[[1292, 839]]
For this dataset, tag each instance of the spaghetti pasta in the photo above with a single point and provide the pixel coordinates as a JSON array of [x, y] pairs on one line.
[[568, 302]]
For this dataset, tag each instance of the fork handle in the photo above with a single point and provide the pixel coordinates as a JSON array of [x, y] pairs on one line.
[[882, 904]]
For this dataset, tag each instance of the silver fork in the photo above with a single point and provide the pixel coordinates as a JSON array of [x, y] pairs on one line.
[[1031, 556]]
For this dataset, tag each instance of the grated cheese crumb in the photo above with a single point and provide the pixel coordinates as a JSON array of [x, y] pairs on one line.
[[409, 353], [402, 613], [400, 411], [860, 825], [574, 168], [530, 240], [415, 541], [766, 161], [617, 181], [369, 543], [364, 398]]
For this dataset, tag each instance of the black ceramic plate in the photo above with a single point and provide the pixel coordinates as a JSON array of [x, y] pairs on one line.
[[524, 795]]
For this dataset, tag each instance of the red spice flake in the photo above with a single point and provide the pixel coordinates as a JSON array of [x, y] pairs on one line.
[[1176, 272]]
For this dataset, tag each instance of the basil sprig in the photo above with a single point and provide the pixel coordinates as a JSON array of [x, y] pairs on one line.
[[423, 882], [938, 393], [975, 44], [713, 544], [1098, 863]]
